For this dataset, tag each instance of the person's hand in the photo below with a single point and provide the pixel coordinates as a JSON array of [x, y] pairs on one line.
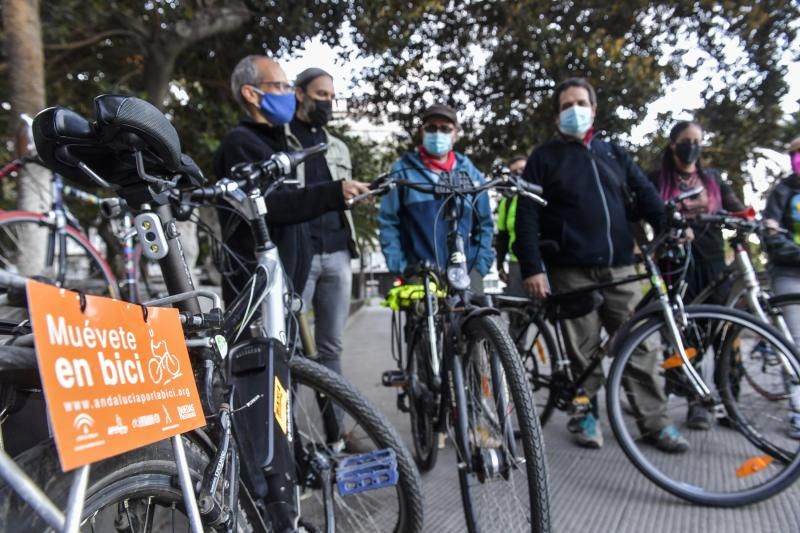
[[503, 275], [537, 286], [351, 189], [688, 235], [772, 226]]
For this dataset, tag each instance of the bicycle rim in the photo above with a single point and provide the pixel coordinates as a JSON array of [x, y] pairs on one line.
[[86, 270], [504, 485], [733, 462]]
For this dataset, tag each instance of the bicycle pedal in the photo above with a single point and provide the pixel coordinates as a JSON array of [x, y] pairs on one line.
[[369, 471], [394, 378]]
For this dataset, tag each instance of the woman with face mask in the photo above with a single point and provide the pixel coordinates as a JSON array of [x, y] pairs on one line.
[[682, 170]]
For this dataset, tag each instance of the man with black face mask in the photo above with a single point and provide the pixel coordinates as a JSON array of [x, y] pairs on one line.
[[328, 286]]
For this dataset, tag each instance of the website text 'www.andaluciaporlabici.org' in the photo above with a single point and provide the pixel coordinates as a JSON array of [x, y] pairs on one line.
[[115, 400]]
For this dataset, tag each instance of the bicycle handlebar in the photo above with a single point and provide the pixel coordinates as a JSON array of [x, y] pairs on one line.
[[383, 184]]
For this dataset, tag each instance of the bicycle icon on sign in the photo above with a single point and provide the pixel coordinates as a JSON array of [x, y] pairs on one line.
[[167, 362]]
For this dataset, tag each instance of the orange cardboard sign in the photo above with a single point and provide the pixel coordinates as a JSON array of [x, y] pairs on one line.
[[112, 381]]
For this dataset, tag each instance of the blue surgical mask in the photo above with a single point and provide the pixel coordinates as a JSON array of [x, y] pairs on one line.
[[278, 109], [437, 143], [575, 121]]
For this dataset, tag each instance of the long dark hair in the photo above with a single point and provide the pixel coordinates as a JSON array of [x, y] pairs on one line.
[[668, 185]]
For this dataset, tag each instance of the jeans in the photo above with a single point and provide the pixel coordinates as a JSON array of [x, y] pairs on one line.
[[327, 292]]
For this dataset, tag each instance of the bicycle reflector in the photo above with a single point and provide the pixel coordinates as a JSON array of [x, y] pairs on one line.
[[753, 465], [675, 361]]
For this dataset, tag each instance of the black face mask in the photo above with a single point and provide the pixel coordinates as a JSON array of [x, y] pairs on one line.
[[687, 153], [319, 112]]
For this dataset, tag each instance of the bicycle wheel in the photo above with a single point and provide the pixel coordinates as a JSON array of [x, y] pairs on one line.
[[135, 491], [537, 357], [362, 430], [732, 463], [504, 485], [85, 269], [422, 400]]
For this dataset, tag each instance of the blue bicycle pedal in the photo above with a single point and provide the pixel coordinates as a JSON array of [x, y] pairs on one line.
[[369, 471]]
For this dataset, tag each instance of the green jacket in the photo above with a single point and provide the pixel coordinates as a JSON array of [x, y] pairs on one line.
[[340, 167], [506, 223]]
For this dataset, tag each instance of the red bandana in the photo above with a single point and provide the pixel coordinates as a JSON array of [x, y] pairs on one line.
[[433, 163]]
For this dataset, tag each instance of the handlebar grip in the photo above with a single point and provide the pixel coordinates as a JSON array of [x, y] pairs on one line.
[[295, 158], [530, 187]]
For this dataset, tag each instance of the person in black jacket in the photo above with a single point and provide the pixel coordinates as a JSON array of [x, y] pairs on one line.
[[260, 86], [589, 184], [681, 170], [782, 217]]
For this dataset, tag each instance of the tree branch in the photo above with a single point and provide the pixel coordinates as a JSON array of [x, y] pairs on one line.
[[89, 40]]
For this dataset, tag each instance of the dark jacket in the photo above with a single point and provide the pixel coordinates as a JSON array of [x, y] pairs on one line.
[[779, 205], [587, 190], [288, 209]]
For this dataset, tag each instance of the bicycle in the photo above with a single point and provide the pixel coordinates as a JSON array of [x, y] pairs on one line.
[[244, 471], [740, 459], [462, 376], [68, 250]]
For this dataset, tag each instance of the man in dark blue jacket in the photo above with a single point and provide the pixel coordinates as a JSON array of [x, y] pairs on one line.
[[590, 186]]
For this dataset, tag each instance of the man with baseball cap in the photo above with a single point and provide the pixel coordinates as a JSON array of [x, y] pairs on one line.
[[412, 230]]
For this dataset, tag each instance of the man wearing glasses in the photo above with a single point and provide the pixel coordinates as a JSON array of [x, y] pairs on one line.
[[412, 229], [260, 87]]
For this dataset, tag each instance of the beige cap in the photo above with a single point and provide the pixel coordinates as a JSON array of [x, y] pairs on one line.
[[794, 146]]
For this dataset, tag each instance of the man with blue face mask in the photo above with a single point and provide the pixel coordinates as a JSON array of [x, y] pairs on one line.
[[590, 185], [412, 230], [262, 90]]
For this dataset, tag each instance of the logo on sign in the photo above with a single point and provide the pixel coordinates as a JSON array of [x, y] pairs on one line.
[[163, 363], [186, 411]]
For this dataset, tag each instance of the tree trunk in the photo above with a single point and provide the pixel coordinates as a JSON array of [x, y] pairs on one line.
[[24, 49]]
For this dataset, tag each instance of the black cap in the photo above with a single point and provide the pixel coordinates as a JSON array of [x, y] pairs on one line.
[[440, 110], [309, 75]]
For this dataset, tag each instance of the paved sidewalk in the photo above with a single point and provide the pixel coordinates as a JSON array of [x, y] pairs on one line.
[[590, 490]]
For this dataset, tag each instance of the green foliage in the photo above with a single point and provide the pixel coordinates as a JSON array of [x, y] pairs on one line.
[[500, 61]]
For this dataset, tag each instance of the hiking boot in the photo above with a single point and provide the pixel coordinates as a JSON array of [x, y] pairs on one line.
[[586, 430], [698, 418], [670, 440]]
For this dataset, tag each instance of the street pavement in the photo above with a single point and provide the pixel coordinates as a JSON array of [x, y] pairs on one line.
[[590, 490]]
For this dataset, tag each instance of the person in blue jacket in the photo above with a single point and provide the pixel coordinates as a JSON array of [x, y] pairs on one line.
[[412, 226]]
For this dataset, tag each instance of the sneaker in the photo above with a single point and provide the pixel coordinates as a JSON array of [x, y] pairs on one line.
[[351, 444], [587, 431], [670, 440], [794, 426], [698, 418]]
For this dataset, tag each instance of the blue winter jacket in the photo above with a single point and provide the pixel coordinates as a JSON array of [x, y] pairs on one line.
[[412, 225]]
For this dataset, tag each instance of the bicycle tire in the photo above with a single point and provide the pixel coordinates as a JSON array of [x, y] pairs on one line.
[[319, 379], [492, 437], [133, 477], [725, 465], [98, 277], [423, 426]]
